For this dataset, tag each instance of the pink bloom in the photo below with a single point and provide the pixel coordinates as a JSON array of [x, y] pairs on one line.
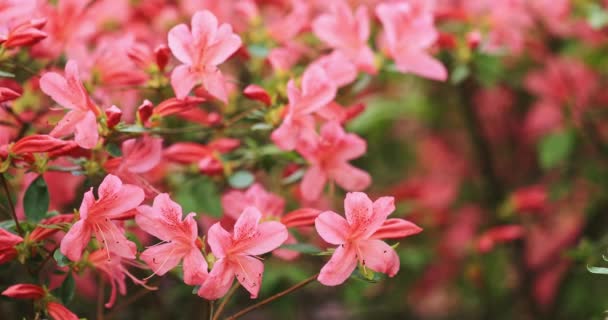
[[337, 67], [328, 155], [201, 50], [114, 270], [115, 199], [8, 241], [69, 92], [207, 157], [180, 237], [317, 91], [57, 311], [409, 32], [286, 26], [359, 237], [347, 33], [24, 291], [236, 253]]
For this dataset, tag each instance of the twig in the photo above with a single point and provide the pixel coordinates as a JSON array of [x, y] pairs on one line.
[[272, 298], [11, 204], [220, 309], [100, 298]]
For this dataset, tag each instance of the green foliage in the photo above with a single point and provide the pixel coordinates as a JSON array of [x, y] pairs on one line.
[[555, 148], [199, 195], [36, 200]]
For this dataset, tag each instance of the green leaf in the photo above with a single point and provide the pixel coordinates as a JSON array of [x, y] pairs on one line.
[[36, 200], [130, 129], [61, 260], [302, 248], [597, 270], [555, 148], [5, 74], [67, 289], [241, 179], [459, 74], [114, 150], [258, 50], [200, 195]]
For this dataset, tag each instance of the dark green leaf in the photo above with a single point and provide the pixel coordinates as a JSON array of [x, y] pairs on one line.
[[114, 150], [302, 248], [555, 148], [200, 195], [241, 179], [36, 200], [67, 289], [61, 260]]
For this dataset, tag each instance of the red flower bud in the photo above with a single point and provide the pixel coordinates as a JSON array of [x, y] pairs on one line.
[[530, 199], [255, 92], [8, 241], [58, 311], [496, 235], [41, 233], [473, 39], [446, 41], [300, 218], [224, 145], [144, 111], [162, 55], [175, 105], [114, 115], [40, 143], [7, 94], [24, 34], [24, 291]]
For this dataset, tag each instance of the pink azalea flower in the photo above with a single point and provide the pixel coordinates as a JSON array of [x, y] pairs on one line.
[[201, 50], [408, 33], [328, 155], [69, 92], [359, 237], [115, 199], [347, 33], [338, 68], [115, 271], [236, 253], [180, 239], [317, 91]]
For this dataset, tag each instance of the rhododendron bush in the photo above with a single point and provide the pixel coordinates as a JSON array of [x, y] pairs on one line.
[[303, 159]]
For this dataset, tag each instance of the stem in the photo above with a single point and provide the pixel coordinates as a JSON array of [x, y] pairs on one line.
[[241, 115], [100, 298], [210, 309], [274, 297], [220, 309], [7, 190]]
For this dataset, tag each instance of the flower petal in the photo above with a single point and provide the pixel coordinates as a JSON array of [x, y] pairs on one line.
[[195, 267], [350, 178], [215, 84], [269, 236], [246, 225], [116, 198], [339, 267], [75, 240], [56, 86], [249, 274], [396, 228], [183, 80], [219, 240], [86, 134], [422, 64], [332, 227], [379, 256], [313, 182], [181, 43], [162, 258], [219, 281], [226, 44]]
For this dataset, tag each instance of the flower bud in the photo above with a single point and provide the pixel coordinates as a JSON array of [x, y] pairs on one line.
[[24, 291], [114, 115]]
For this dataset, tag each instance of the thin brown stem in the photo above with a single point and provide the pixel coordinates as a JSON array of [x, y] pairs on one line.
[[224, 302], [100, 298], [7, 191], [274, 297]]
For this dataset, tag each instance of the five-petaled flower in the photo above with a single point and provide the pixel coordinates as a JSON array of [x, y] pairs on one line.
[[359, 237], [116, 201], [201, 49], [180, 239], [236, 253]]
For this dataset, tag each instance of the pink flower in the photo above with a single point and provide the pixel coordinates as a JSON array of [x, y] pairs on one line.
[[328, 155], [347, 33], [236, 253], [24, 291], [317, 91], [69, 92], [408, 33], [337, 67], [359, 237], [180, 237], [201, 50], [115, 199], [115, 271]]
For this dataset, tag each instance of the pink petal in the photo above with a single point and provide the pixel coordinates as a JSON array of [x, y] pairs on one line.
[[114, 240], [233, 203], [215, 84], [116, 198], [68, 123], [396, 228], [162, 219], [55, 86], [332, 227], [204, 28], [269, 236], [339, 267], [246, 225], [162, 258], [352, 146], [359, 212], [219, 240], [317, 90], [183, 80], [181, 43], [219, 281], [227, 44], [249, 274], [350, 178], [86, 134], [195, 267], [300, 217], [379, 256], [286, 135], [313, 182], [75, 240], [142, 155], [422, 64]]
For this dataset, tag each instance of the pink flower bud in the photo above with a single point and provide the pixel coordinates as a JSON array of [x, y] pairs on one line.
[[24, 291], [530, 199], [175, 105], [58, 311], [496, 235], [114, 115], [7, 94], [144, 111], [162, 55], [473, 39], [255, 92]]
